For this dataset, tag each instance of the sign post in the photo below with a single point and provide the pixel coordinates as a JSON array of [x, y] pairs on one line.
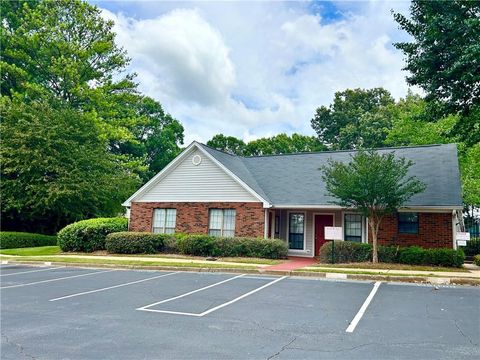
[[462, 238], [333, 233]]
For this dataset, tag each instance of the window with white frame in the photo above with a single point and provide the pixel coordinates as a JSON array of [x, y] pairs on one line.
[[164, 221], [296, 231], [222, 222], [353, 227]]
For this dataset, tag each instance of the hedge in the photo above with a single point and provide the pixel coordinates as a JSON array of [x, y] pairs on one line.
[[348, 251], [135, 242], [472, 248], [89, 235], [204, 245], [476, 260], [12, 240], [198, 245]]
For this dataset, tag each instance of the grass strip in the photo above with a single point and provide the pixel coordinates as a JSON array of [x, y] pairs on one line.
[[32, 251], [387, 266], [158, 263]]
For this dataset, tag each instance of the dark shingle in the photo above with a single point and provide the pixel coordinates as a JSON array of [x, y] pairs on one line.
[[295, 179]]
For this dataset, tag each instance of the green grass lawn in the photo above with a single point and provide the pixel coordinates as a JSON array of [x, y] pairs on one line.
[[32, 251], [159, 263]]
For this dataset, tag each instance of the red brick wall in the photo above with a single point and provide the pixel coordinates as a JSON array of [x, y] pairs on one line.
[[193, 217], [434, 231]]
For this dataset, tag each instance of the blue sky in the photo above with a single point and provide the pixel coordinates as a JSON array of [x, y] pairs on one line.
[[254, 69]]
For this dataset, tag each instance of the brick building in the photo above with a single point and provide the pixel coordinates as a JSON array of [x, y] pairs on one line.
[[207, 191]]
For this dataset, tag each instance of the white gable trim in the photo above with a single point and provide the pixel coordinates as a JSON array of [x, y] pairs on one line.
[[173, 164]]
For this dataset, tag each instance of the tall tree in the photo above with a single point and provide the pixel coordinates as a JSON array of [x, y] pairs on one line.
[[443, 59], [55, 168], [354, 120], [228, 144], [67, 49], [372, 183], [275, 145], [61, 58]]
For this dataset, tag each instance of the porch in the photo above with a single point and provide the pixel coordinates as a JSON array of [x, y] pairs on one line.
[[303, 229]]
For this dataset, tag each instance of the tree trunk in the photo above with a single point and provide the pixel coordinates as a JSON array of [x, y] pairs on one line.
[[374, 228]]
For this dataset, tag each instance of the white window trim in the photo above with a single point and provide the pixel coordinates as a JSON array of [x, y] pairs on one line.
[[164, 220], [364, 223], [223, 214], [304, 250]]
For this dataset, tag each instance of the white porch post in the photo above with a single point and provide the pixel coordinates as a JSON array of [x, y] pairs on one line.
[[265, 228]]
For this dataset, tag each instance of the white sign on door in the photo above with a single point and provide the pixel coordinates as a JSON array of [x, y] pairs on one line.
[[463, 236], [333, 233]]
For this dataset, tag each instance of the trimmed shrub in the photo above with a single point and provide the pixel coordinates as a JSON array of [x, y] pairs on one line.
[[345, 252], [125, 242], [198, 245], [348, 251], [413, 255], [89, 235], [204, 245], [12, 240], [472, 248], [476, 260], [389, 254]]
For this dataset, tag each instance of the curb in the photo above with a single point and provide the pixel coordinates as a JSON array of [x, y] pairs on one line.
[[296, 273]]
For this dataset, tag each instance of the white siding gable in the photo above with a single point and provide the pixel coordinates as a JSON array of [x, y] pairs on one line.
[[206, 182]]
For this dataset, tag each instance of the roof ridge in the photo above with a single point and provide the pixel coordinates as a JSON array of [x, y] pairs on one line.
[[325, 151], [345, 151]]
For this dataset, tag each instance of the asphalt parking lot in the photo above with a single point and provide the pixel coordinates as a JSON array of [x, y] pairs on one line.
[[80, 313]]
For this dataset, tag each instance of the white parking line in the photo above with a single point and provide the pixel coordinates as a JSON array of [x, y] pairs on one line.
[[56, 279], [31, 271], [362, 310], [113, 287], [206, 312], [189, 293]]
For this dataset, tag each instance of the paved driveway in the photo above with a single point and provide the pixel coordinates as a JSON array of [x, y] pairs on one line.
[[75, 313]]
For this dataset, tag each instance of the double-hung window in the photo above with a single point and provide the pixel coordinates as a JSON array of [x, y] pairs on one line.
[[296, 231], [222, 222], [164, 221], [408, 223], [353, 227]]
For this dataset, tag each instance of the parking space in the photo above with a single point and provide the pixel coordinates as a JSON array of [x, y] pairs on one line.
[[77, 313]]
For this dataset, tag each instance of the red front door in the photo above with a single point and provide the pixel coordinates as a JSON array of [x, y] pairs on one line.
[[320, 222]]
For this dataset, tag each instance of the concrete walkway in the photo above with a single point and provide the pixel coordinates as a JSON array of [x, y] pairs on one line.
[[293, 263]]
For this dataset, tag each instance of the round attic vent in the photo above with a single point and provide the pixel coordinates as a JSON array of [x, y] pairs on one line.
[[196, 160]]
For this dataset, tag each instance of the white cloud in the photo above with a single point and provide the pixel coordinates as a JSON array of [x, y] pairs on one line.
[[258, 69]]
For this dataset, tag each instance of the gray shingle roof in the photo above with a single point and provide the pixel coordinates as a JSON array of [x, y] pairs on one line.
[[295, 179]]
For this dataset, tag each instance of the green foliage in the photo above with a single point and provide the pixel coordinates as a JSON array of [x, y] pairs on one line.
[[135, 242], [413, 255], [443, 60], [357, 118], [13, 240], [374, 183], [472, 248], [54, 166], [476, 260], [204, 245], [443, 56], [470, 165], [348, 251], [345, 252], [93, 137], [275, 145], [89, 235], [229, 144]]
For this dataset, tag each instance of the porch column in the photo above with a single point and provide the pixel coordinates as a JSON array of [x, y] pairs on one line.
[[265, 228]]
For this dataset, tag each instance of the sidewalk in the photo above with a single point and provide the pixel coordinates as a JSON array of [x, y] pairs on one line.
[[293, 263]]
